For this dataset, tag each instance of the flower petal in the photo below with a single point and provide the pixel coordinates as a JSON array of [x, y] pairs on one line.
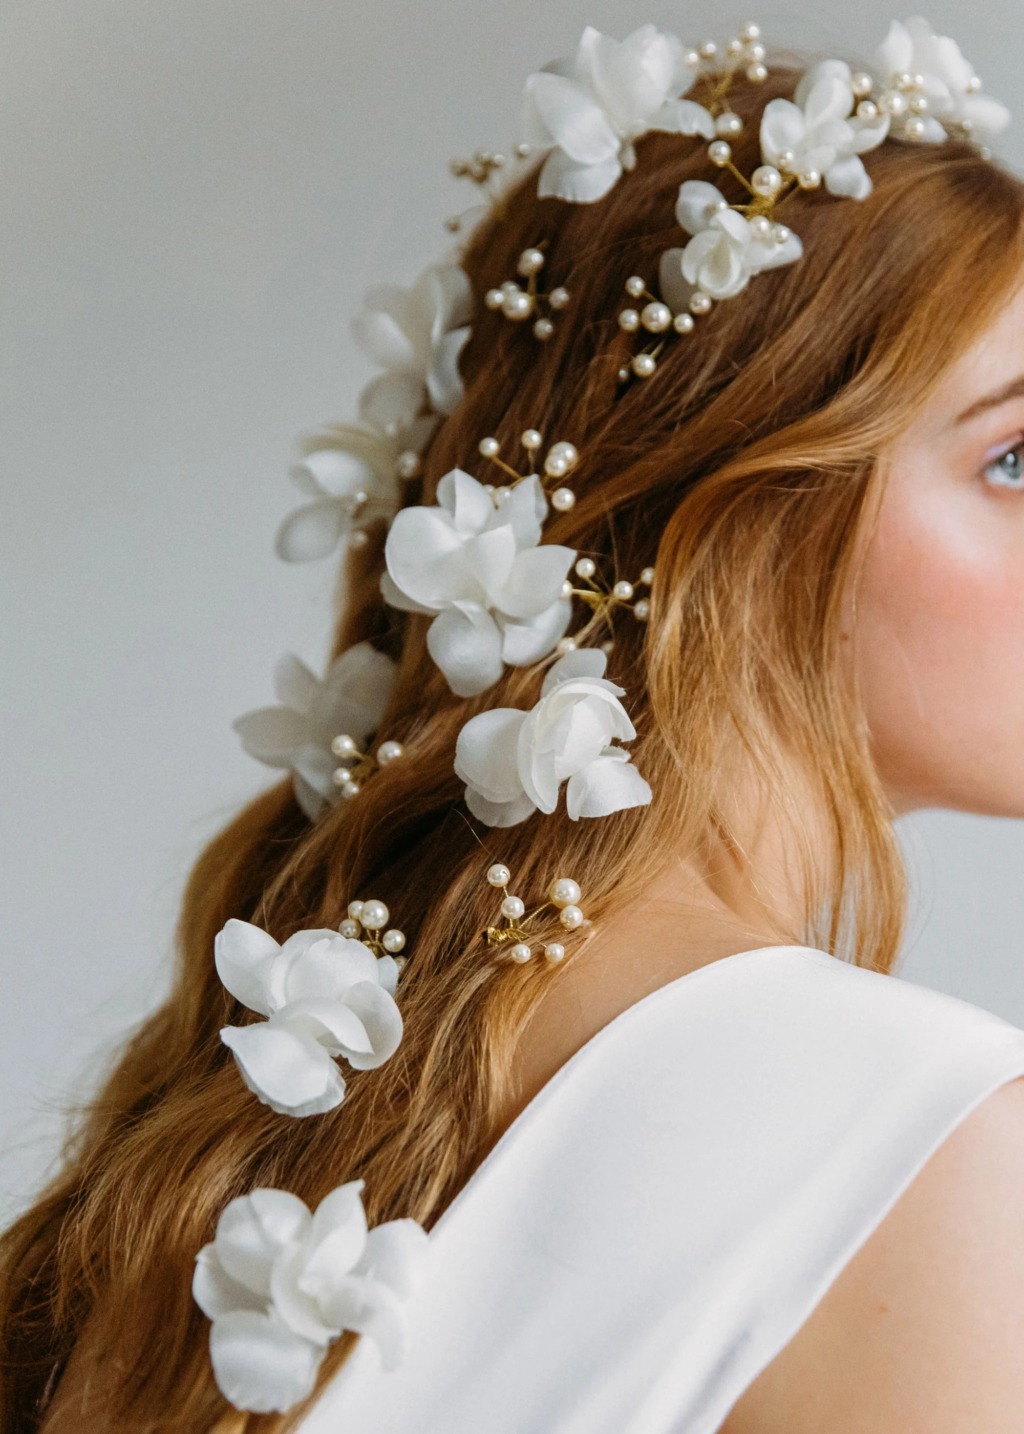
[[782, 127], [294, 683], [564, 178], [466, 646], [534, 581], [252, 1231], [423, 553], [391, 400], [580, 662], [355, 692], [848, 177], [244, 955], [485, 753], [260, 1364], [215, 1291], [499, 814], [695, 204], [396, 1253], [311, 531], [608, 784], [271, 734], [524, 643], [575, 120], [444, 382], [285, 1068]]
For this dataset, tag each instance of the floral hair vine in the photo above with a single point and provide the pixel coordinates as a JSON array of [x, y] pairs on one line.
[[278, 1281]]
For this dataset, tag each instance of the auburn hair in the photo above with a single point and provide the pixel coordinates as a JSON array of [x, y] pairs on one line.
[[745, 471]]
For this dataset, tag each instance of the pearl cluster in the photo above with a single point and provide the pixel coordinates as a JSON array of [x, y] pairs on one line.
[[481, 170], [365, 920], [560, 460], [563, 893], [904, 100], [654, 318], [744, 51], [517, 303], [602, 601], [356, 765]]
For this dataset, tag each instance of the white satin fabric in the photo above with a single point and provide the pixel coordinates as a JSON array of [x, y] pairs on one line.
[[664, 1216]]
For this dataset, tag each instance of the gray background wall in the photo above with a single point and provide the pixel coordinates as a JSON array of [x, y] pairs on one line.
[[193, 196]]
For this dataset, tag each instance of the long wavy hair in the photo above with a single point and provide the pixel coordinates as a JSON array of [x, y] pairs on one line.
[[745, 470]]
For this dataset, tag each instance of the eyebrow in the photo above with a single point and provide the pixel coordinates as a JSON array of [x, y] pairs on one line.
[[1014, 389]]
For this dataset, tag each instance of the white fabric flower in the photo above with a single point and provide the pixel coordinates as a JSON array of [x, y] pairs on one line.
[[417, 335], [724, 252], [324, 995], [817, 128], [297, 735], [593, 108], [477, 566], [281, 1283], [514, 762], [950, 83]]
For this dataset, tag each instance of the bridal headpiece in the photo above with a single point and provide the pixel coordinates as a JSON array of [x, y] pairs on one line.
[[278, 1281]]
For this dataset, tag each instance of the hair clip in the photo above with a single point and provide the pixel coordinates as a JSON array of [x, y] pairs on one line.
[[560, 459], [518, 304], [357, 765], [603, 601], [563, 893], [364, 920]]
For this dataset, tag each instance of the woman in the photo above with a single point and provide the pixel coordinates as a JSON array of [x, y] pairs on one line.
[[731, 1159]]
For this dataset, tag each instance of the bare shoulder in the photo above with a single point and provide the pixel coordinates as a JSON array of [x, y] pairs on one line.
[[923, 1330]]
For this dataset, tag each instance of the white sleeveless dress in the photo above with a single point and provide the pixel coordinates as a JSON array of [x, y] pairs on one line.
[[666, 1213]]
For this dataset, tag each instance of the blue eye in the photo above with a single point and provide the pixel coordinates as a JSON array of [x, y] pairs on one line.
[[1008, 469]]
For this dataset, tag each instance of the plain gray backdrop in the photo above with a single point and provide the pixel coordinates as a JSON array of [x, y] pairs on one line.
[[194, 195]]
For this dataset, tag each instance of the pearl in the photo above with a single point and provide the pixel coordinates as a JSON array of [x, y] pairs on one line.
[[867, 110], [513, 907], [683, 323], [520, 952], [564, 645], [700, 303], [647, 577], [498, 874], [558, 298], [532, 439], [401, 962], [501, 494], [555, 465], [388, 751], [750, 31], [531, 261], [917, 104], [407, 464], [861, 83], [629, 320], [761, 226], [566, 451], [523, 150], [708, 50], [489, 447], [349, 928], [903, 80], [757, 51], [586, 567], [757, 72], [635, 286], [623, 375], [692, 58], [608, 645], [914, 128], [728, 124], [571, 917], [642, 610], [543, 329], [563, 891], [643, 365], [348, 788], [344, 746], [554, 951], [622, 590], [562, 499], [719, 152], [517, 306], [375, 915], [781, 233], [566, 588], [766, 180], [734, 47], [810, 179], [355, 910], [974, 85], [510, 287], [494, 298], [892, 103], [393, 940], [656, 317]]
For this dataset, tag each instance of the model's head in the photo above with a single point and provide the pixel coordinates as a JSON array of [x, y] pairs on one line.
[[832, 639]]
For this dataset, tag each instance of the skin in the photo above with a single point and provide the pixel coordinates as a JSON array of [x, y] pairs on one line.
[[921, 1331]]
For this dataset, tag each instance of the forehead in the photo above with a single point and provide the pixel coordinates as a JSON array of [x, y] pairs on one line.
[[997, 350]]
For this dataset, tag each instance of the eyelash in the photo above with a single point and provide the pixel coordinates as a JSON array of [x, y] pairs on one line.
[[1018, 449]]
